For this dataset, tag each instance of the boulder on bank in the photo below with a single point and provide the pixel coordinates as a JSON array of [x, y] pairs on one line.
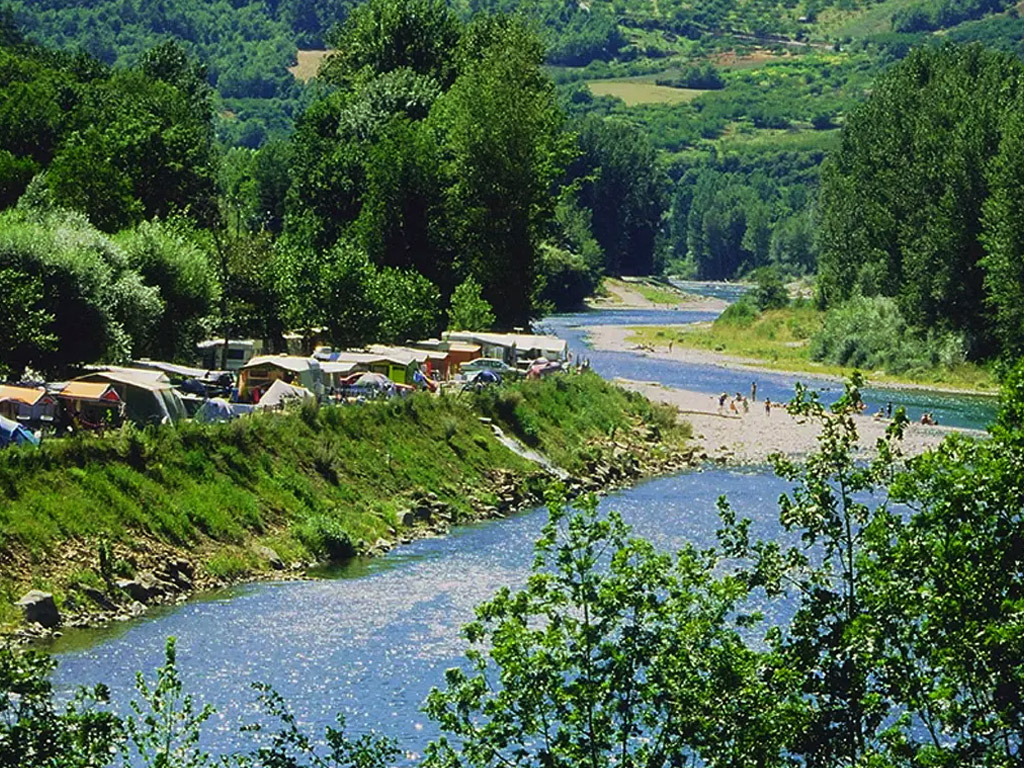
[[146, 587], [40, 609], [270, 556]]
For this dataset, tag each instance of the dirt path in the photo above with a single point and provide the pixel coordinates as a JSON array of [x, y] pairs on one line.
[[750, 437]]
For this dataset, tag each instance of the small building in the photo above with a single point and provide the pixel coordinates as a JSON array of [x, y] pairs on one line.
[[260, 372], [147, 395], [28, 405], [500, 346], [446, 356]]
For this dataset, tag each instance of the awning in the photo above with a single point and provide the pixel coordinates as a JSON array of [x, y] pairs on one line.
[[25, 395], [92, 391]]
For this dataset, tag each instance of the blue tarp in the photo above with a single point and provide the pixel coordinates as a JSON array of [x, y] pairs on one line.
[[11, 432]]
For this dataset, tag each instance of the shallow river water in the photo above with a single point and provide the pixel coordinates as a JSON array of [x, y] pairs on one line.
[[371, 639]]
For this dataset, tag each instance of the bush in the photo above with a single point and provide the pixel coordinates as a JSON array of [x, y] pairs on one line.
[[871, 333], [323, 535], [740, 313]]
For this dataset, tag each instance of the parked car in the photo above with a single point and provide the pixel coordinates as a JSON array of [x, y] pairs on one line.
[[492, 364]]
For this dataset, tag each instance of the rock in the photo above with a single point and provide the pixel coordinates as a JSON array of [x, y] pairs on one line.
[[98, 597], [40, 609], [145, 587], [381, 546], [405, 517], [423, 513], [268, 554]]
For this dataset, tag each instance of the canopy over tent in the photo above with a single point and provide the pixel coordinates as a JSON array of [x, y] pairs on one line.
[[13, 433], [279, 392]]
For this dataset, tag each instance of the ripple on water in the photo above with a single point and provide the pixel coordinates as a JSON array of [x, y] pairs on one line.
[[372, 647]]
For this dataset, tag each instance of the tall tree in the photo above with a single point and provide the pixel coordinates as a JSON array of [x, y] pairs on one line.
[[503, 150]]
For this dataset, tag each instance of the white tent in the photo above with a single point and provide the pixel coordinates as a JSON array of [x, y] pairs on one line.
[[279, 393]]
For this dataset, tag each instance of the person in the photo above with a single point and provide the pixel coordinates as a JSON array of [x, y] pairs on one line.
[[670, 344], [768, 407], [753, 391], [746, 404], [722, 398], [732, 407], [888, 410]]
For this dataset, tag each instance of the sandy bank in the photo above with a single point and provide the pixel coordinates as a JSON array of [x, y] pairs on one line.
[[613, 338], [749, 438], [622, 295]]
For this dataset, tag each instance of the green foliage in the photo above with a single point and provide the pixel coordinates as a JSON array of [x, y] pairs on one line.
[[165, 728], [612, 653], [906, 193], [621, 183], [937, 14], [568, 279], [769, 292], [904, 620], [703, 76], [167, 257], [872, 334], [35, 730], [469, 310], [24, 322], [386, 35]]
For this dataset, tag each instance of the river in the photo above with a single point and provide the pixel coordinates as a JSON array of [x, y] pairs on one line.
[[369, 640]]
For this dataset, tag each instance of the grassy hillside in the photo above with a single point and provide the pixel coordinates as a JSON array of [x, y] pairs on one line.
[[310, 483]]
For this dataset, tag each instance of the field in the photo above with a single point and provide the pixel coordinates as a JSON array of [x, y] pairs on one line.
[[307, 64], [780, 339], [642, 91]]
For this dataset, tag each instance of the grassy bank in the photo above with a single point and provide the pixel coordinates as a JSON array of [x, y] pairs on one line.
[[780, 339], [312, 484]]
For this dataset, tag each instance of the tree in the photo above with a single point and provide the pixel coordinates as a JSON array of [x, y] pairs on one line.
[[612, 654], [623, 185], [502, 151], [469, 310], [385, 35], [25, 323], [769, 293], [906, 189], [34, 731], [167, 257], [1003, 238]]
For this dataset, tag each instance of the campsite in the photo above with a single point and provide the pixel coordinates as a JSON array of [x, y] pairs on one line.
[[234, 378]]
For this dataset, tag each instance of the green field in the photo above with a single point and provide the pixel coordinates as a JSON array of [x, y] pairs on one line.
[[633, 91], [780, 339]]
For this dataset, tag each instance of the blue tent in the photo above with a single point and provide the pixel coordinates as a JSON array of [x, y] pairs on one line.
[[13, 433]]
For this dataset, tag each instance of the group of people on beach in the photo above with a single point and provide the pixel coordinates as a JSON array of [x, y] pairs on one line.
[[739, 401]]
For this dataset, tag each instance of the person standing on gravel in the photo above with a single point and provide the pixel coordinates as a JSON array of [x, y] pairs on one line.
[[753, 391]]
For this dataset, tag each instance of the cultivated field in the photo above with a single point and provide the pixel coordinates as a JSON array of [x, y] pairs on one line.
[[307, 65], [635, 92]]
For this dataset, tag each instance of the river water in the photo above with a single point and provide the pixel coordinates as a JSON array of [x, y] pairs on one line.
[[371, 639]]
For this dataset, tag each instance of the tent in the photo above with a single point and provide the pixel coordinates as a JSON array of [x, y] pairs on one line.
[[148, 396], [13, 433], [279, 393], [219, 409], [27, 404]]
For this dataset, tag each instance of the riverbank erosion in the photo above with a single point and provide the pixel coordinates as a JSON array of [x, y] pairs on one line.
[[747, 436], [109, 526]]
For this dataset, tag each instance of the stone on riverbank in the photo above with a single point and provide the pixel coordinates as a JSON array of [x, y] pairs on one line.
[[40, 609]]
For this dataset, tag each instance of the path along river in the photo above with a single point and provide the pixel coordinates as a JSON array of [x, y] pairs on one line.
[[372, 639]]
